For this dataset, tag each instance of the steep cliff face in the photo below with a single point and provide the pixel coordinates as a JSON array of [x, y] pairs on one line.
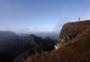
[[76, 35], [71, 30]]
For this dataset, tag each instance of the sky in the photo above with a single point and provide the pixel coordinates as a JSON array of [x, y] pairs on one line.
[[41, 15]]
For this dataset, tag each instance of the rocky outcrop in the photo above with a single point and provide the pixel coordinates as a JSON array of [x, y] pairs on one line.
[[71, 30], [77, 49]]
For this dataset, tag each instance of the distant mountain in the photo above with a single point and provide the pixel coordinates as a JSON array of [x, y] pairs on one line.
[[38, 45], [11, 45], [7, 40], [75, 37], [52, 35]]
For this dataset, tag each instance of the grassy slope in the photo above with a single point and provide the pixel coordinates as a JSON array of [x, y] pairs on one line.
[[76, 51]]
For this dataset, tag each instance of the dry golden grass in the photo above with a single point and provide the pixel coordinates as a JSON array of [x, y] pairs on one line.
[[76, 51]]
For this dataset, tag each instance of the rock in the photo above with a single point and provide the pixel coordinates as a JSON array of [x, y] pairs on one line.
[[77, 49], [71, 30]]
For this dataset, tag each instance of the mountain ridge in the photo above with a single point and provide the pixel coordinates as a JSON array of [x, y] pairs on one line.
[[77, 49]]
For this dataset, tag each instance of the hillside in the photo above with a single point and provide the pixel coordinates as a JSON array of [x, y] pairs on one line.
[[11, 45], [77, 49], [71, 30], [38, 44]]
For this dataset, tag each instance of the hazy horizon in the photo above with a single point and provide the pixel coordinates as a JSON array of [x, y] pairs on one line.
[[41, 15]]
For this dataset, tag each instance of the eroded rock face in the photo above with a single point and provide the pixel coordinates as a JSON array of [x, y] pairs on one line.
[[77, 49], [71, 30]]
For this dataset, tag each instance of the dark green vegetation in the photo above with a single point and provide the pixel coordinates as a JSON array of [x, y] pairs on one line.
[[14, 46]]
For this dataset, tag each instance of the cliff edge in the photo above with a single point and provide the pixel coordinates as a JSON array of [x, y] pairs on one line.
[[76, 35]]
